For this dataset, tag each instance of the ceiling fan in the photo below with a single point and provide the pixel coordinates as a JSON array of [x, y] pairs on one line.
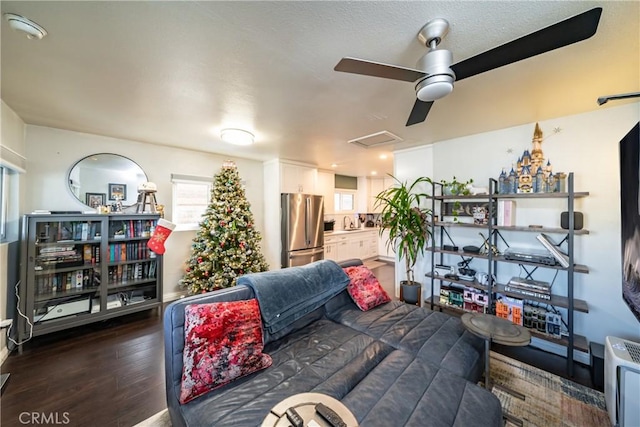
[[435, 74]]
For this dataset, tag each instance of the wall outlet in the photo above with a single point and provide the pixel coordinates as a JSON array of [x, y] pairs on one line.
[[5, 323]]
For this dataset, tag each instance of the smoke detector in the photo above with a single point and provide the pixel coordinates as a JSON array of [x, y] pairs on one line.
[[20, 23]]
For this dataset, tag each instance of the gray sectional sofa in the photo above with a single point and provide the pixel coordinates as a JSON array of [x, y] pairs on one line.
[[394, 365]]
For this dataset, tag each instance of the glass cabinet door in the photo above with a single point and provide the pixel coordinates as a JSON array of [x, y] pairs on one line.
[[65, 268], [133, 267]]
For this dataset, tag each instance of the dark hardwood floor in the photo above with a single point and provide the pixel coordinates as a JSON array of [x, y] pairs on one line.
[[105, 374], [112, 373]]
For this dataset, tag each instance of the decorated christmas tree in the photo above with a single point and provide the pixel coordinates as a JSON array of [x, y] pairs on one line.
[[227, 244]]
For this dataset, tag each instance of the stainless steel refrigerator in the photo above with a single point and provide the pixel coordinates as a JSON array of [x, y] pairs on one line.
[[302, 229]]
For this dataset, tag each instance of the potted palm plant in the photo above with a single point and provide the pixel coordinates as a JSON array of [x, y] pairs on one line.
[[406, 218]]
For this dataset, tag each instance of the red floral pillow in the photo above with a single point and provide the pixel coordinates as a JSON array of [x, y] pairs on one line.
[[222, 342], [364, 288]]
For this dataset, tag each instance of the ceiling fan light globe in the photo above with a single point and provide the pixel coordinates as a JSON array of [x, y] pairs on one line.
[[434, 87], [25, 25]]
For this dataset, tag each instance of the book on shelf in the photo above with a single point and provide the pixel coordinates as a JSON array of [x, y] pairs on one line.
[[506, 213], [562, 258]]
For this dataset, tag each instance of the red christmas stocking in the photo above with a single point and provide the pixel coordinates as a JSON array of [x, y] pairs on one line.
[[160, 234]]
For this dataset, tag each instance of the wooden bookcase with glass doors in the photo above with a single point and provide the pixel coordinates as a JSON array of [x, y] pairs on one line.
[[78, 269]]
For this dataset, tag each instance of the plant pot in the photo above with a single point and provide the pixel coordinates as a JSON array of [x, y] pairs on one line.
[[410, 292]]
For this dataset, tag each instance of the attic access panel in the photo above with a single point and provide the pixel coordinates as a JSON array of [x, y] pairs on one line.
[[376, 139]]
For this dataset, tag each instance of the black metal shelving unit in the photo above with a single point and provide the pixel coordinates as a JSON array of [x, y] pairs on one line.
[[568, 302]]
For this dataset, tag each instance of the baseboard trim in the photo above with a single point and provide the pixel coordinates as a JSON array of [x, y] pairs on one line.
[[578, 356], [172, 296], [4, 353]]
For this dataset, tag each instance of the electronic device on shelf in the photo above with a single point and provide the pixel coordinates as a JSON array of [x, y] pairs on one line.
[[443, 270], [530, 255], [62, 309], [538, 285], [466, 273]]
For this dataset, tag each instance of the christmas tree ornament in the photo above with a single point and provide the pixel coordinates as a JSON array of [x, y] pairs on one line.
[[160, 235]]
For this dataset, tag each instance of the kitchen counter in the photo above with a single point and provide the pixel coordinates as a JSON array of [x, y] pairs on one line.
[[352, 231]]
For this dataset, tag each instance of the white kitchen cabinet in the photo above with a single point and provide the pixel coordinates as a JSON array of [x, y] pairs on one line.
[[326, 187], [354, 244], [298, 179], [343, 251], [356, 247], [372, 245], [376, 186], [331, 247], [331, 251], [383, 250]]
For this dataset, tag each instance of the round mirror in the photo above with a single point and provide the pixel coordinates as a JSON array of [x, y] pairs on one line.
[[103, 179]]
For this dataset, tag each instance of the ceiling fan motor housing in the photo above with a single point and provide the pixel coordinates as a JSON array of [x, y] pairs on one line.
[[440, 77]]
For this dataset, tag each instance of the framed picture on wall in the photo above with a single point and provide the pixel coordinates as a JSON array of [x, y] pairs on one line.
[[117, 191], [96, 199]]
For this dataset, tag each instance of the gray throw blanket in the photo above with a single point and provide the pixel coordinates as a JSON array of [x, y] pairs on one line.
[[286, 295]]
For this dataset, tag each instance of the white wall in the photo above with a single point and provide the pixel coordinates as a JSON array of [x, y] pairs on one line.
[[52, 152], [272, 240], [13, 149], [586, 145]]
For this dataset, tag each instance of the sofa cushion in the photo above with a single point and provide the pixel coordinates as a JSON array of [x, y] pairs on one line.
[[430, 335], [324, 357], [364, 288], [289, 294], [405, 391], [223, 341]]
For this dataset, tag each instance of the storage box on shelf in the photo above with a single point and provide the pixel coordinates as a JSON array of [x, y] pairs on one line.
[[442, 232], [78, 269]]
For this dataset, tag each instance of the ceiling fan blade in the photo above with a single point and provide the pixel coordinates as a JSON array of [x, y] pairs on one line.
[[564, 33], [378, 69], [607, 98], [419, 112]]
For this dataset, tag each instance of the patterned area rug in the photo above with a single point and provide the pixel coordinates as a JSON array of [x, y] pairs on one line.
[[550, 400]]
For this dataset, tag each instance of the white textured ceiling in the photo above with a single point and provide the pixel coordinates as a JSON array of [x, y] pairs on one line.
[[175, 73]]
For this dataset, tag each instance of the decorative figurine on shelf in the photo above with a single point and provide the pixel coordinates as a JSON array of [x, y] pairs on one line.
[[513, 182], [117, 205], [530, 173], [146, 197], [502, 182], [537, 157], [160, 209]]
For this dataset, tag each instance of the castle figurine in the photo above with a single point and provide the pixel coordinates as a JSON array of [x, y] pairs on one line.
[[530, 174]]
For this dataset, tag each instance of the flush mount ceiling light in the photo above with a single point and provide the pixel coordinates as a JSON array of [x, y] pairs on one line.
[[20, 23], [237, 136]]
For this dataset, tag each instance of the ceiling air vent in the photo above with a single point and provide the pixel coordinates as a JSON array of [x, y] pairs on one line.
[[376, 139]]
